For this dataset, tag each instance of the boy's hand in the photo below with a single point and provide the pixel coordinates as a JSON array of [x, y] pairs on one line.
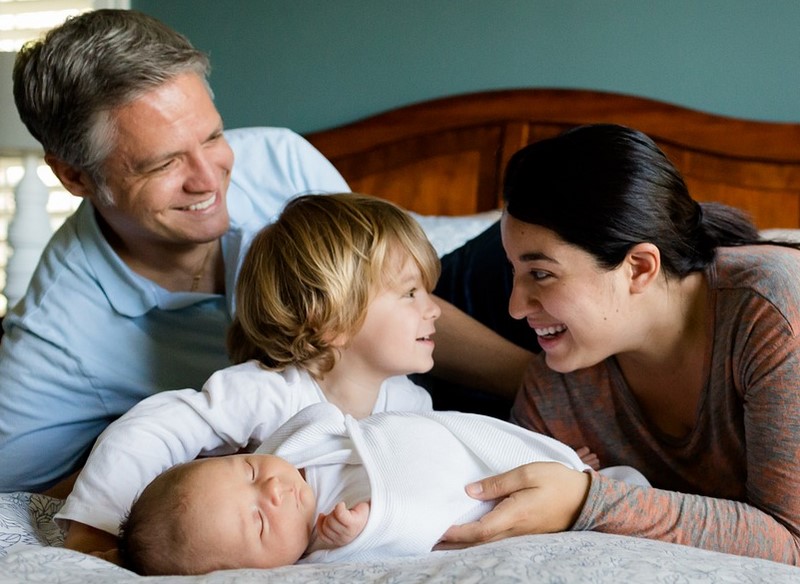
[[588, 457], [342, 525], [89, 540]]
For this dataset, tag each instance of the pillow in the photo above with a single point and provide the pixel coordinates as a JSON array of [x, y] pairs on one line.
[[450, 232], [792, 235]]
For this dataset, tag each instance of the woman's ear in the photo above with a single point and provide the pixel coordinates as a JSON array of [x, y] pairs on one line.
[[74, 180], [644, 264]]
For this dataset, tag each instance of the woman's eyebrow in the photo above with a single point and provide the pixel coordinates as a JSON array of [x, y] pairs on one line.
[[536, 256]]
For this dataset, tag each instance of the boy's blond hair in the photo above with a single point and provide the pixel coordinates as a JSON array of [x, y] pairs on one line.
[[308, 278]]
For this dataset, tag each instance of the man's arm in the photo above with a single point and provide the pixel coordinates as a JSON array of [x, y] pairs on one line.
[[471, 354]]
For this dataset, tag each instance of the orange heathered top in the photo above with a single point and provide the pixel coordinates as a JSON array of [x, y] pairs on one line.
[[733, 483]]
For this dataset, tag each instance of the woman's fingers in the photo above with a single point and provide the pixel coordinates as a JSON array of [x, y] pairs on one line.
[[501, 485], [541, 497]]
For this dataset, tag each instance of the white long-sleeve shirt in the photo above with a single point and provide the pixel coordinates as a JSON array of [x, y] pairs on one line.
[[239, 407]]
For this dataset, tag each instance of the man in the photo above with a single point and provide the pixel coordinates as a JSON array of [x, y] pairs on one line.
[[134, 293]]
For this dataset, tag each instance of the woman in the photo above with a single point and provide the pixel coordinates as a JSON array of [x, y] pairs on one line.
[[669, 337]]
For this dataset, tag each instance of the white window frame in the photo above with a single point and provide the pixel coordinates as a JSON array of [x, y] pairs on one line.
[[60, 204]]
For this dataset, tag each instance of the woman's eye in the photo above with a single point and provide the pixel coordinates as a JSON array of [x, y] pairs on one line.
[[539, 275]]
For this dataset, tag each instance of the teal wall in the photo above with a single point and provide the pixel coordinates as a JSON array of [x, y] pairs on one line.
[[313, 64]]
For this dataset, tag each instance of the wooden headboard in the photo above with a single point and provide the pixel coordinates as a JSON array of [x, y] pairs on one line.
[[446, 156]]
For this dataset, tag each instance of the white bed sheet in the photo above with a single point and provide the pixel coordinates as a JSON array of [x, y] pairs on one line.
[[31, 551]]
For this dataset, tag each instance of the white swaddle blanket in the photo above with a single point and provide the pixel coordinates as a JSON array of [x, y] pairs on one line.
[[416, 465]]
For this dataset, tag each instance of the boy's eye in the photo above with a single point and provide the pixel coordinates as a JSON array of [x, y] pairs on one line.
[[252, 471]]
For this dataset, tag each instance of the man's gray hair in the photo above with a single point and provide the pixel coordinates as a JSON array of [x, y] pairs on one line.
[[67, 84]]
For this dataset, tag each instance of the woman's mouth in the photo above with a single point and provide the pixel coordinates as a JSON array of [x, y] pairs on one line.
[[549, 331]]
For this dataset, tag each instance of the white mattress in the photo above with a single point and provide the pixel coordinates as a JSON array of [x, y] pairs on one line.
[[31, 551]]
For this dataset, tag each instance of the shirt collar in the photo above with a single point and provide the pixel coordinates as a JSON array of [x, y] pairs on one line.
[[128, 293]]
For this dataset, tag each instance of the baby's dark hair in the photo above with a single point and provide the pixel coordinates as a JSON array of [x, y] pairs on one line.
[[154, 541]]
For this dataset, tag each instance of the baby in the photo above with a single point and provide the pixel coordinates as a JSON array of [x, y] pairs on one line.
[[391, 483]]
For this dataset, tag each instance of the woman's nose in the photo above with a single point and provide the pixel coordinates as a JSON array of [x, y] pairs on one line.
[[521, 303]]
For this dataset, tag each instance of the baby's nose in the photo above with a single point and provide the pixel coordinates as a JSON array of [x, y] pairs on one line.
[[274, 490]]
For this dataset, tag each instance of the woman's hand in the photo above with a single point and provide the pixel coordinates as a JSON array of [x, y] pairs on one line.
[[540, 497]]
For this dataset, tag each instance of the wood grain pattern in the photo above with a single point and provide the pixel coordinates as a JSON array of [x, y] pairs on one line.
[[446, 156]]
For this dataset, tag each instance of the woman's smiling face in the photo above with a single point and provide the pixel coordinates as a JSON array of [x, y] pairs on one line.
[[576, 307]]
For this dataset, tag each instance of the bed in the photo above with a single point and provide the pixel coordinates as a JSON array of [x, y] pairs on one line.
[[443, 160]]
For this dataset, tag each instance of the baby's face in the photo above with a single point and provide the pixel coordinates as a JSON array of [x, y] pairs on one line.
[[250, 510]]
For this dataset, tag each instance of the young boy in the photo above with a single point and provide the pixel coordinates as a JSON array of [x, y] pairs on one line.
[[394, 482], [333, 305]]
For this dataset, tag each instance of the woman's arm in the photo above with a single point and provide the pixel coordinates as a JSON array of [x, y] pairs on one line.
[[765, 523]]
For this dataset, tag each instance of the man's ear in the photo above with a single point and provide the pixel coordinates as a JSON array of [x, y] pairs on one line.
[[644, 264], [74, 180]]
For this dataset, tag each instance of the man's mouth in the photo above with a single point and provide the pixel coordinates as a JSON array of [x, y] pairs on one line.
[[201, 205]]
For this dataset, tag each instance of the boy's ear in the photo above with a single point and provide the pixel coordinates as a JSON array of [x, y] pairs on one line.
[[339, 341], [74, 180], [644, 264]]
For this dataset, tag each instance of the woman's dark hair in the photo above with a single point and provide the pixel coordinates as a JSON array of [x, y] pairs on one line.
[[606, 188]]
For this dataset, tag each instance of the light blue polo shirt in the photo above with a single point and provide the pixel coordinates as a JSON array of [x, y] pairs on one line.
[[90, 338]]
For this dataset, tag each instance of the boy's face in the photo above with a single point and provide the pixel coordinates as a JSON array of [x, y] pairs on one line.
[[396, 337], [249, 511]]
